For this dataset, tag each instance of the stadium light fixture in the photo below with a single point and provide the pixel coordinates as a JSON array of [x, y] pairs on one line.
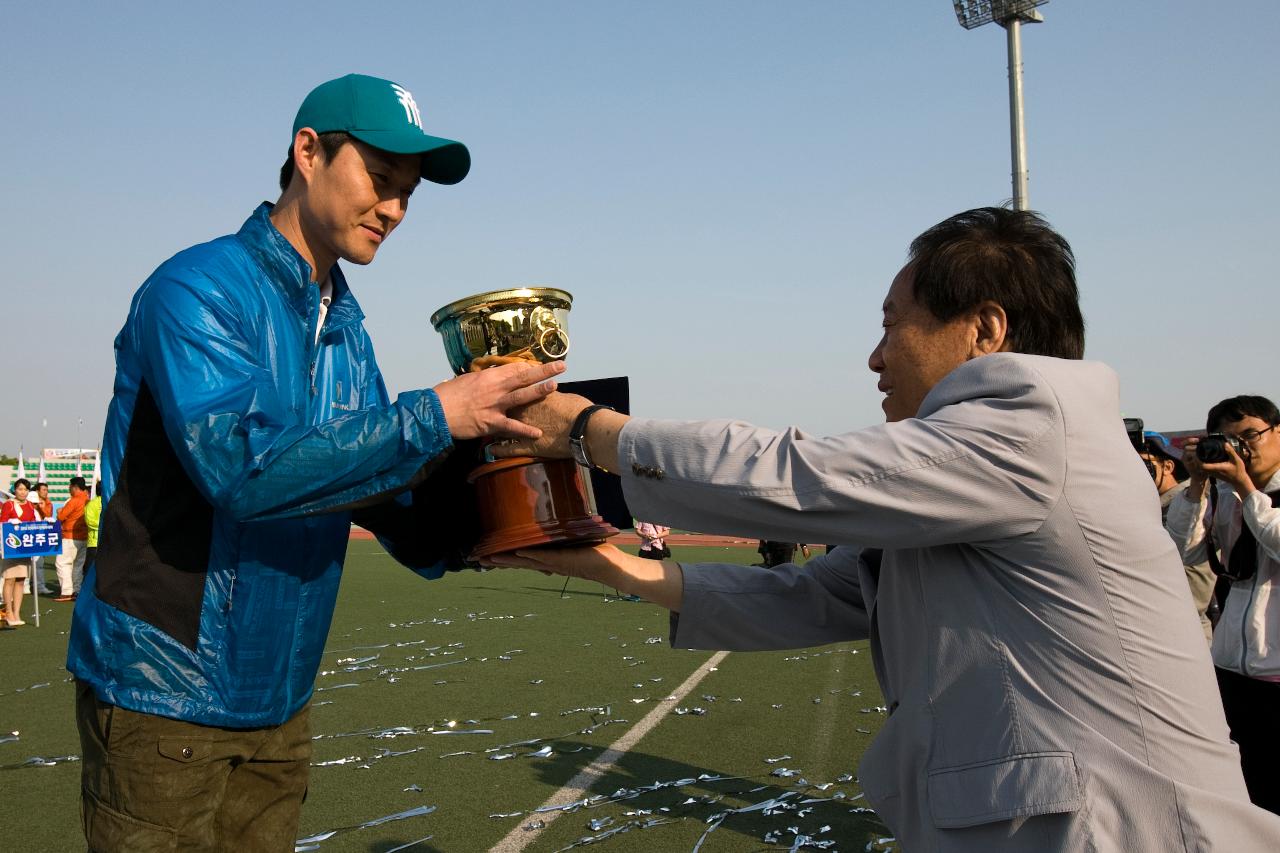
[[1010, 14]]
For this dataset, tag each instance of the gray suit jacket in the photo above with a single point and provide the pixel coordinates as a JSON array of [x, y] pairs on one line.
[[1047, 681]]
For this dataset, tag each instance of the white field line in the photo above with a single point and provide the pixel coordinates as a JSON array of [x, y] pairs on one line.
[[577, 787]]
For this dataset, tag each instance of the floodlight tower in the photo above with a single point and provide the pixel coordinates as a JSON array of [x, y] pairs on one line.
[[1010, 14]]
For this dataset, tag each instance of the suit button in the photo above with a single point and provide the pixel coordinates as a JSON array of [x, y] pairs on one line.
[[186, 752], [637, 469], [659, 473]]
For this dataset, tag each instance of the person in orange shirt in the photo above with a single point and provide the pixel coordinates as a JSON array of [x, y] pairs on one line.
[[75, 533]]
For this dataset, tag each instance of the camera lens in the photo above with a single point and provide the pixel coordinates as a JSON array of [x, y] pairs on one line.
[[1212, 448]]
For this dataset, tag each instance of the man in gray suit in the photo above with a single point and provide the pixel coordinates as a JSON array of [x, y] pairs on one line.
[[1047, 682]]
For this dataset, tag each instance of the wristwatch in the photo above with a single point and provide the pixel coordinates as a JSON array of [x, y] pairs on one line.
[[578, 432]]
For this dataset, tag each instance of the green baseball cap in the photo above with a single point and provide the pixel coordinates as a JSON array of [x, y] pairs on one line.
[[382, 114]]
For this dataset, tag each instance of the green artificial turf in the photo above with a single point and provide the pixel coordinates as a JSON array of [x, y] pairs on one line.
[[504, 652]]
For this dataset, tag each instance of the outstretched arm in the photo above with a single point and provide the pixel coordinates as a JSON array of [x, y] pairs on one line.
[[661, 582], [727, 606], [242, 442]]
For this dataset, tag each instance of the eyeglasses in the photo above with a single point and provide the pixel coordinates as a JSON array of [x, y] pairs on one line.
[[1251, 436]]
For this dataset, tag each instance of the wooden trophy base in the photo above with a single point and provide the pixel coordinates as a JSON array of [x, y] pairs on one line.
[[526, 502]]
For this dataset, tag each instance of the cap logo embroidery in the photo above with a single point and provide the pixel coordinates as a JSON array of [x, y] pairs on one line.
[[406, 100]]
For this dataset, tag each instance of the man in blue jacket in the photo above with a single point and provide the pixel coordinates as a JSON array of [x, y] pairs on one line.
[[249, 425]]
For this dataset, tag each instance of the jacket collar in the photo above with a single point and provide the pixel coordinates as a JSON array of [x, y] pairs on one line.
[[1168, 496], [286, 268]]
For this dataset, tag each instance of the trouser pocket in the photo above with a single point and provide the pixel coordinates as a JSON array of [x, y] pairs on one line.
[[110, 831]]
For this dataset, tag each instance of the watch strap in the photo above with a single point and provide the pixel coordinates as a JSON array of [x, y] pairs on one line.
[[577, 434]]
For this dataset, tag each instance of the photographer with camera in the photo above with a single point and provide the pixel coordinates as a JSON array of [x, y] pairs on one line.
[[1169, 475], [1240, 516]]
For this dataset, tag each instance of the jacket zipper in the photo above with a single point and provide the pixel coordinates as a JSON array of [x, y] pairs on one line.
[[1244, 623], [1248, 608], [313, 346]]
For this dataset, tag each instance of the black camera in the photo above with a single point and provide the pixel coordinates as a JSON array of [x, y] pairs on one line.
[[1213, 447], [1133, 427]]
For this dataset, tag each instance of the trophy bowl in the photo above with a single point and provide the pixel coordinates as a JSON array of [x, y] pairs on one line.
[[524, 322], [522, 501]]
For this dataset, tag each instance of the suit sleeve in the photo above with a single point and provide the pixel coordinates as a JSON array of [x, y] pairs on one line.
[[247, 451], [748, 608], [986, 463]]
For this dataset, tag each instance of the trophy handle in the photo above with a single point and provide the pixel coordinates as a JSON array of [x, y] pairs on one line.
[[554, 342], [552, 339]]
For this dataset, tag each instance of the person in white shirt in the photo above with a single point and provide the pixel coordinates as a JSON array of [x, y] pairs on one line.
[[1244, 522], [39, 498]]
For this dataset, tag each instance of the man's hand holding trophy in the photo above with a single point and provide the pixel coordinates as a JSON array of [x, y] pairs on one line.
[[523, 501]]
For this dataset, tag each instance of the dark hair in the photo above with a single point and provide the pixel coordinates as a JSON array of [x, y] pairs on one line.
[[330, 142], [1233, 409], [1012, 258], [78, 483], [21, 481], [1155, 449], [38, 485]]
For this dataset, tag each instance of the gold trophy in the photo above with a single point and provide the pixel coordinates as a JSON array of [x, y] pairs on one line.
[[523, 501]]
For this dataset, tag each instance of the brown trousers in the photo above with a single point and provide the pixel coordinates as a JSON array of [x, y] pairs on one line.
[[150, 783]]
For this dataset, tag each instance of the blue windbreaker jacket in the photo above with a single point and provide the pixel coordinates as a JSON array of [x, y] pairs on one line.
[[235, 446]]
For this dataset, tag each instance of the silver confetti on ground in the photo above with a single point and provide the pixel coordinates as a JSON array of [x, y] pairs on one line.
[[312, 842], [41, 761]]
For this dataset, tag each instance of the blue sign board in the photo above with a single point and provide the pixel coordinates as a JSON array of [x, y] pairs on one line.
[[31, 539]]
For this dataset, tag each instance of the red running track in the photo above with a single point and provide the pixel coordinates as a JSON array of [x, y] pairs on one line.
[[628, 537]]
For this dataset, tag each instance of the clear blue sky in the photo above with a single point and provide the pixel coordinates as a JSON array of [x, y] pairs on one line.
[[727, 188]]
